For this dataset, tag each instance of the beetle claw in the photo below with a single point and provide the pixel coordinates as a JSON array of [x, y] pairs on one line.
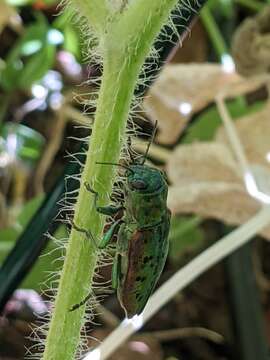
[[89, 188], [84, 301], [88, 233]]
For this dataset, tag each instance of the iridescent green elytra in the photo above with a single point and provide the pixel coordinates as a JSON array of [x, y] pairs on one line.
[[142, 242]]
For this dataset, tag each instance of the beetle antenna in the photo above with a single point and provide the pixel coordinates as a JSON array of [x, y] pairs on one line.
[[150, 142], [115, 164], [130, 151]]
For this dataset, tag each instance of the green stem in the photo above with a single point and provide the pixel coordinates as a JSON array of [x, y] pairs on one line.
[[96, 13], [125, 47], [213, 31], [251, 4]]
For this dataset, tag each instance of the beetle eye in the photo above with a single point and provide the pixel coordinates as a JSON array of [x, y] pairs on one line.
[[138, 185]]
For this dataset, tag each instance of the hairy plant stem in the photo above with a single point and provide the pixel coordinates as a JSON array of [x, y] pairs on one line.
[[95, 11], [126, 44]]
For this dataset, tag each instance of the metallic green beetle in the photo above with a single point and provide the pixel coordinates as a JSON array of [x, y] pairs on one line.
[[142, 244], [142, 240]]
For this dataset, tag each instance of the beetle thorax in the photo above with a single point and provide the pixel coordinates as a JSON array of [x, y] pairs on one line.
[[144, 179], [145, 195]]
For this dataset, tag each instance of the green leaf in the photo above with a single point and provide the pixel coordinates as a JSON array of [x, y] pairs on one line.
[[31, 57], [72, 42], [50, 261], [185, 235], [51, 2], [37, 66], [226, 8], [71, 33], [29, 142], [9, 235], [29, 210], [207, 123]]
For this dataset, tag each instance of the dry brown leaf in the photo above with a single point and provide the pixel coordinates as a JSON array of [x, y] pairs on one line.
[[250, 44], [206, 181], [203, 161], [229, 203], [218, 200], [254, 133], [179, 92], [243, 86]]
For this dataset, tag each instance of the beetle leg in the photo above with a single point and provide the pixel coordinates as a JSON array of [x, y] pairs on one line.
[[116, 270], [115, 274], [87, 233], [106, 238], [105, 210], [84, 301], [109, 234]]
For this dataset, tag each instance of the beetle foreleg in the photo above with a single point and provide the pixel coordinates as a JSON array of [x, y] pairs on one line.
[[105, 210], [109, 234], [87, 233], [84, 301], [116, 270], [106, 238]]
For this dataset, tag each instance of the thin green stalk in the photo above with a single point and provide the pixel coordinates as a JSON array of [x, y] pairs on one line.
[[81, 256], [251, 4], [126, 43], [213, 31]]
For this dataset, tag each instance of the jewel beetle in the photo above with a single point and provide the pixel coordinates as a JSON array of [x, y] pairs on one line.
[[142, 235]]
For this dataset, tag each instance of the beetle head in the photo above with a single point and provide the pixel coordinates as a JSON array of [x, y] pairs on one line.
[[144, 179]]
